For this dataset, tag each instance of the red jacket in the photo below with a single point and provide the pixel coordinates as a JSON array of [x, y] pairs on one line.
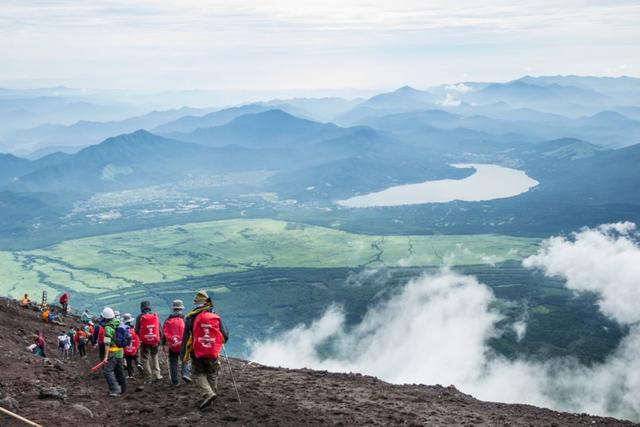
[[132, 349], [101, 335], [64, 298], [76, 337]]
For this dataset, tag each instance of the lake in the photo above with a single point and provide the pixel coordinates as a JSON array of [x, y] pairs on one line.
[[489, 182]]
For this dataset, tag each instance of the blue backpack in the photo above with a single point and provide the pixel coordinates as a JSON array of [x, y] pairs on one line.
[[123, 336]]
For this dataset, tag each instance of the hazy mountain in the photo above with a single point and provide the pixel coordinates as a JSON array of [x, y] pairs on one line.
[[21, 113], [217, 118], [589, 177], [318, 109], [12, 167], [403, 99], [129, 161], [553, 98], [606, 128], [558, 149], [84, 133], [269, 129], [625, 90]]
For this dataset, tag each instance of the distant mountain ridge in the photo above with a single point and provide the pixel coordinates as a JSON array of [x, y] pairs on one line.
[[269, 129]]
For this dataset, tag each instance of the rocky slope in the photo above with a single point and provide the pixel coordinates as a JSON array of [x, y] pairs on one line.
[[270, 396]]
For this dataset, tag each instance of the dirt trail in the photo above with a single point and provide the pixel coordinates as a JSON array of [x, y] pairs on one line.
[[270, 396]]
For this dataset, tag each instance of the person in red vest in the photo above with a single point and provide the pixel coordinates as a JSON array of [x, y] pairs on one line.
[[80, 340], [172, 333], [64, 302], [204, 336], [131, 351], [148, 331]]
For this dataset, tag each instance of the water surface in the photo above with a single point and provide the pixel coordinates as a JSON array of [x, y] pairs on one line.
[[489, 182]]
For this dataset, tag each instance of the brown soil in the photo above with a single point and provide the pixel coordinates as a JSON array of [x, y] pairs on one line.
[[270, 396]]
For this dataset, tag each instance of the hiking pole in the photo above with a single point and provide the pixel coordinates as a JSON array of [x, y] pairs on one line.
[[18, 417], [235, 387]]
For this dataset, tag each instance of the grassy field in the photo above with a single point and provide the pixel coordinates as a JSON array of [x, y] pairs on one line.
[[169, 254]]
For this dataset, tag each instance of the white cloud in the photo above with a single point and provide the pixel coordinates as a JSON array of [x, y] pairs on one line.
[[322, 44], [605, 260], [437, 329], [450, 101], [460, 88]]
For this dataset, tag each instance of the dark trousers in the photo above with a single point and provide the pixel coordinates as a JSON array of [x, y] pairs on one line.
[[174, 359], [101, 351], [114, 374], [82, 349], [131, 364]]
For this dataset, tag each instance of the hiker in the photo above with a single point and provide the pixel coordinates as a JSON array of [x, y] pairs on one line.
[[64, 344], [148, 330], [64, 302], [172, 333], [40, 344], [25, 301], [131, 351], [204, 336], [98, 337], [80, 340], [85, 317], [72, 334], [52, 317], [89, 331], [116, 337]]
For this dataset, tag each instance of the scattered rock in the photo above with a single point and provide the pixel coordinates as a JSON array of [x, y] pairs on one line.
[[47, 404], [59, 365], [10, 403], [82, 410], [53, 393]]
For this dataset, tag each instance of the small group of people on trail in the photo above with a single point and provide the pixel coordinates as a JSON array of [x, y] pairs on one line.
[[129, 347], [193, 343]]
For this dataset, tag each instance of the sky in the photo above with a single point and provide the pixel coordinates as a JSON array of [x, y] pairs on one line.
[[317, 45]]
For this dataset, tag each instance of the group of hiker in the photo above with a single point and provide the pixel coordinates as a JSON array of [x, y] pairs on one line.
[[193, 343]]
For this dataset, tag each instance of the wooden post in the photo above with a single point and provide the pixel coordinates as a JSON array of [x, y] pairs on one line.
[[18, 417]]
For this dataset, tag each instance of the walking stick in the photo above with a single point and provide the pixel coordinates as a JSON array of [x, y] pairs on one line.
[[18, 417], [235, 387]]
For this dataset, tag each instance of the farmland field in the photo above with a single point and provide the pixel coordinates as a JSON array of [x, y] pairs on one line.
[[169, 254]]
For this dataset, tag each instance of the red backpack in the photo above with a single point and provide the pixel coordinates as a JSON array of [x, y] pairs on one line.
[[132, 349], [207, 338], [149, 329], [173, 331]]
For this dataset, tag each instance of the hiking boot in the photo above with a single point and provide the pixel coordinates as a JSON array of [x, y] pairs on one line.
[[207, 401], [114, 394], [186, 379]]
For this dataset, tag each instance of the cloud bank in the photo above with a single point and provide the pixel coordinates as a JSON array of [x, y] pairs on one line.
[[437, 329]]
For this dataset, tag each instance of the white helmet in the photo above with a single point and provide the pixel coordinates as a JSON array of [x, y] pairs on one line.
[[108, 313]]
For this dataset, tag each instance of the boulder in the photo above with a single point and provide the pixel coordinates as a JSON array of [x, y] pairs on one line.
[[83, 410], [10, 404], [53, 393]]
